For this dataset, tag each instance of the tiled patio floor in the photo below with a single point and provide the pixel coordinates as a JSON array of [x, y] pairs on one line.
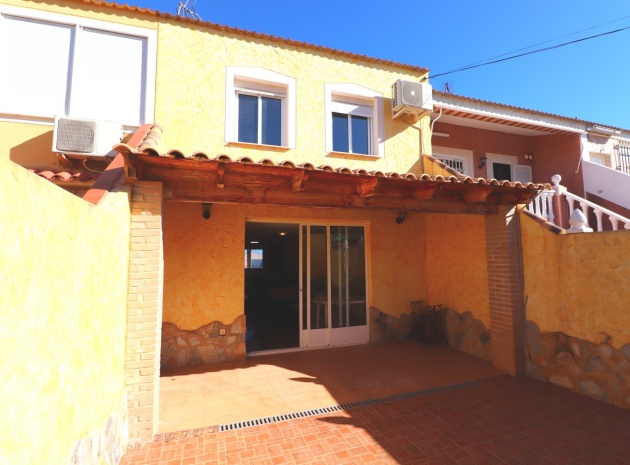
[[501, 420], [291, 382]]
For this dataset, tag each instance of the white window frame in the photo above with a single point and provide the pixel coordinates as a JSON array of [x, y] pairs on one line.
[[516, 170], [355, 99], [601, 158], [460, 155], [260, 82], [79, 24]]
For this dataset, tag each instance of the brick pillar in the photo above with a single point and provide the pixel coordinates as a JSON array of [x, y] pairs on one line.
[[505, 286], [144, 311]]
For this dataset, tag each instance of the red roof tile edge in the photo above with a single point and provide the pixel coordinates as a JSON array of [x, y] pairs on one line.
[[256, 35], [116, 169], [65, 176], [152, 151]]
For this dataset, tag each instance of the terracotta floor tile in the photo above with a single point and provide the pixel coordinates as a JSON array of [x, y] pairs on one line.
[[498, 421]]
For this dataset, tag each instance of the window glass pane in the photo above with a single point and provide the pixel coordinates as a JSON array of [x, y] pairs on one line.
[[253, 258], [319, 278], [256, 258], [35, 59], [271, 121], [340, 132], [360, 135], [247, 118], [347, 258]]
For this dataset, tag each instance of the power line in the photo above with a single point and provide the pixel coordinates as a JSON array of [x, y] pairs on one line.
[[541, 43], [530, 53]]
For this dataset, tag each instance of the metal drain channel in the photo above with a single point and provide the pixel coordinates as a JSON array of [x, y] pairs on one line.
[[336, 408]]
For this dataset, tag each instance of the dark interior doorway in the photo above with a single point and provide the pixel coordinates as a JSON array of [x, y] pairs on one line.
[[502, 171], [272, 286]]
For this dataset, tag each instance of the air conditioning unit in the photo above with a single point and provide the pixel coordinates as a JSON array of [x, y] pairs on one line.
[[411, 98], [82, 137]]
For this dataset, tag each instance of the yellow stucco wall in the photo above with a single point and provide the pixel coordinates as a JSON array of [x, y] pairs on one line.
[[63, 269], [457, 273], [190, 101], [203, 259], [577, 283]]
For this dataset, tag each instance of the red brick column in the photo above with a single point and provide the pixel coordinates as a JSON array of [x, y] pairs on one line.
[[144, 311], [505, 287]]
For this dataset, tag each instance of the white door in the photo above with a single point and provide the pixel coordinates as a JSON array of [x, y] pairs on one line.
[[333, 285]]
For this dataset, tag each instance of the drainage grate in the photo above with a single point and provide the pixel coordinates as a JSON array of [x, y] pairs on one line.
[[336, 408]]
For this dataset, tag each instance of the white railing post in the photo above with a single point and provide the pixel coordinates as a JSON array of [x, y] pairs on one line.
[[578, 222], [614, 222], [543, 205], [550, 214]]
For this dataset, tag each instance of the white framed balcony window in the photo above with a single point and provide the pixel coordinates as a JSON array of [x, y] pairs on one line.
[[354, 122], [458, 159], [53, 64], [259, 107]]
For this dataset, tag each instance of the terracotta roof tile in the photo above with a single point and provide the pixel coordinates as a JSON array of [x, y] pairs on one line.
[[254, 35], [456, 178], [65, 176]]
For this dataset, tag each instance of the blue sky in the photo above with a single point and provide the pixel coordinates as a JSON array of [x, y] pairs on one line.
[[588, 80]]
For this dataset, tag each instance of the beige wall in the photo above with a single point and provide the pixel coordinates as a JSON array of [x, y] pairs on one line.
[[203, 259], [63, 266], [190, 101], [577, 284], [457, 274]]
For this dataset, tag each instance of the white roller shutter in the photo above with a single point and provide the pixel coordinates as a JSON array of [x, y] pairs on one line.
[[35, 58], [521, 173], [109, 80]]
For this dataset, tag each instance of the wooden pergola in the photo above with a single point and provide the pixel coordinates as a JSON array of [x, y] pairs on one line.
[[221, 180]]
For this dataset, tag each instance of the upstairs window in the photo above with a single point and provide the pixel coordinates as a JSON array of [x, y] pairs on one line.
[[354, 124], [352, 128], [61, 65], [259, 119], [259, 107], [458, 159]]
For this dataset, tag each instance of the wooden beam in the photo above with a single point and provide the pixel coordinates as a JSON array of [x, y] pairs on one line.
[[200, 192], [221, 175], [476, 194], [367, 188], [425, 192], [298, 182]]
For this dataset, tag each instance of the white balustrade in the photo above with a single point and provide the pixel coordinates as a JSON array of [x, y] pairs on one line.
[[542, 205]]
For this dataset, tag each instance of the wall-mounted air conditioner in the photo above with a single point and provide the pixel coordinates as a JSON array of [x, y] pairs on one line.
[[85, 137], [411, 98]]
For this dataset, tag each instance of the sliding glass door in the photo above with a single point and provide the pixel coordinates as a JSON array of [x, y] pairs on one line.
[[333, 285]]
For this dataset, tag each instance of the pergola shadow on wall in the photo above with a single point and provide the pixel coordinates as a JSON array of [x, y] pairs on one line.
[[158, 177]]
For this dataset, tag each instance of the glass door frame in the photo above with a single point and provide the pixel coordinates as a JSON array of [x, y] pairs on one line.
[[329, 336]]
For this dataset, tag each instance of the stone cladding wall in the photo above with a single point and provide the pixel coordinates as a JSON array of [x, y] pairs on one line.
[[387, 328], [468, 334], [204, 345], [106, 446], [596, 370]]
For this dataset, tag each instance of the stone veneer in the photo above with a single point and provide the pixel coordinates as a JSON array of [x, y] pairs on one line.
[[462, 330], [107, 446], [468, 334], [595, 370], [387, 328], [204, 345]]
